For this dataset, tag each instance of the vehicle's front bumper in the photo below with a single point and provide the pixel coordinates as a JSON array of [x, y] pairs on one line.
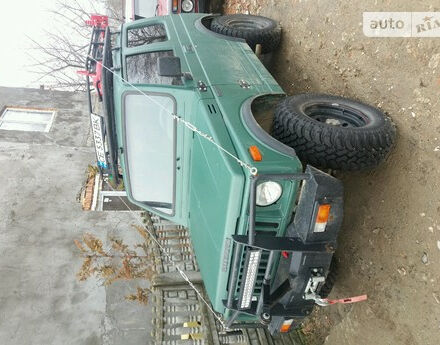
[[306, 254]]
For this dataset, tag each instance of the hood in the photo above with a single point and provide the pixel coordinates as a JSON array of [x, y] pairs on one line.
[[216, 194]]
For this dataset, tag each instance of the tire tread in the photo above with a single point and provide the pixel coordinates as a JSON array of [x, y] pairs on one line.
[[269, 38], [332, 147]]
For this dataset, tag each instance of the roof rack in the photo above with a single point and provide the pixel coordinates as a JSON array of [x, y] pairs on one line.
[[98, 73]]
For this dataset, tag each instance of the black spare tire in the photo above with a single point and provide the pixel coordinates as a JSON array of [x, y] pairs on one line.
[[334, 132], [254, 29]]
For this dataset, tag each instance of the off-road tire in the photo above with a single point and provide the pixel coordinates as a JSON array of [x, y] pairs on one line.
[[254, 29], [364, 143], [325, 289]]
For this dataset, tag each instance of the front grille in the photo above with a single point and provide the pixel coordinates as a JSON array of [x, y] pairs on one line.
[[266, 225], [260, 275], [262, 228]]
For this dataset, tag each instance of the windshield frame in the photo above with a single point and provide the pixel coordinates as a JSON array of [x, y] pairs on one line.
[[146, 204]]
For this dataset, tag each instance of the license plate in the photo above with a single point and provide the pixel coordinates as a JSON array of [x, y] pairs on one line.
[[98, 138]]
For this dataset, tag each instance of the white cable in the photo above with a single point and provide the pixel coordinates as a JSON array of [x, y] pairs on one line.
[[253, 170], [168, 256]]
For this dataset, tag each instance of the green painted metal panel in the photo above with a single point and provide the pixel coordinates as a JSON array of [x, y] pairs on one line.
[[211, 187]]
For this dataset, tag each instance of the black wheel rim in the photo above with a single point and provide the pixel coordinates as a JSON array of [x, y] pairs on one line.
[[246, 24], [337, 115]]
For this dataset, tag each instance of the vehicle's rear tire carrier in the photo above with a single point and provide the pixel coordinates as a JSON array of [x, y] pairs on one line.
[[254, 29]]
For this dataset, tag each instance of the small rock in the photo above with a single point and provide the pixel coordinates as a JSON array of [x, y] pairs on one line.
[[413, 114], [402, 271], [437, 148], [434, 61], [425, 258], [422, 214], [438, 245], [437, 299], [431, 229], [358, 46]]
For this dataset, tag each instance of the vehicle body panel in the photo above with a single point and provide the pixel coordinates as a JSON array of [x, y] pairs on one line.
[[212, 189]]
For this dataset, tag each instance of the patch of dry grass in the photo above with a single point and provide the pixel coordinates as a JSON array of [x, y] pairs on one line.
[[119, 261]]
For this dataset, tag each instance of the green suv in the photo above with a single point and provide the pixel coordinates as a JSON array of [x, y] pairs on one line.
[[205, 137]]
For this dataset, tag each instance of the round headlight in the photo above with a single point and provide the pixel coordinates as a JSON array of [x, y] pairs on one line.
[[187, 5], [268, 192]]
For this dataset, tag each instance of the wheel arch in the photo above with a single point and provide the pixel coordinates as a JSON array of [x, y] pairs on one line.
[[255, 116]]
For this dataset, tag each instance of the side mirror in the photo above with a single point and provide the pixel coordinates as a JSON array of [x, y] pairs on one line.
[[169, 66]]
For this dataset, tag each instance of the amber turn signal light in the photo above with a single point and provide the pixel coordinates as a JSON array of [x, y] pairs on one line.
[[285, 327], [323, 213], [322, 218], [255, 153]]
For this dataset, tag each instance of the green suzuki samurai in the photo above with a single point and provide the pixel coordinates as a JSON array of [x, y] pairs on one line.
[[205, 137]]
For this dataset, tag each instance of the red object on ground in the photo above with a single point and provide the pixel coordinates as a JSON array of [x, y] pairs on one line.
[[347, 300]]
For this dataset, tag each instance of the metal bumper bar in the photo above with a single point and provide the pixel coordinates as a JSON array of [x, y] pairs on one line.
[[298, 239]]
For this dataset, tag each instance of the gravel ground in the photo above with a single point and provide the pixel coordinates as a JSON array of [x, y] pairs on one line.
[[389, 244]]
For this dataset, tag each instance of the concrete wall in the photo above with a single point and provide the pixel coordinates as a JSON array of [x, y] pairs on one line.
[[41, 301]]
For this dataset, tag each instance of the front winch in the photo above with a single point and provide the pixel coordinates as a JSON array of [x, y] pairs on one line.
[[311, 289]]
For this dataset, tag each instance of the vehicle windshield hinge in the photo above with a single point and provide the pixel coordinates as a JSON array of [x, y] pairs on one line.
[[201, 86], [244, 84]]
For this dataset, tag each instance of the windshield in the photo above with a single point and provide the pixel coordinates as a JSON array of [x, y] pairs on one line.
[[150, 149]]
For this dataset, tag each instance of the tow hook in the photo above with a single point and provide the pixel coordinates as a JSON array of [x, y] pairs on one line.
[[310, 293]]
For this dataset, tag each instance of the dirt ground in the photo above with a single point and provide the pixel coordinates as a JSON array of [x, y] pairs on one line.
[[389, 244]]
